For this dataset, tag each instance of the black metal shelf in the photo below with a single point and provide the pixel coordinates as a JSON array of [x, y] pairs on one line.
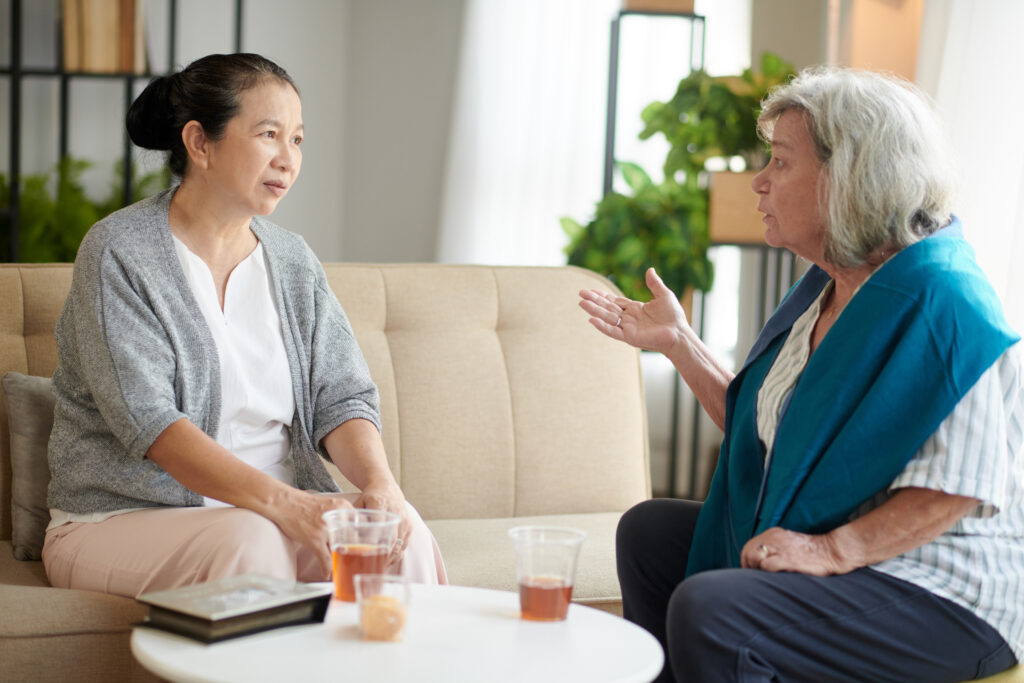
[[51, 73], [17, 72], [697, 29], [697, 33]]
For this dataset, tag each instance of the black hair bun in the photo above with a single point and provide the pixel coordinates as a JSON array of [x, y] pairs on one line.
[[150, 119]]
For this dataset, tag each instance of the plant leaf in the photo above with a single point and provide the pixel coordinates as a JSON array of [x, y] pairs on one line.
[[636, 178]]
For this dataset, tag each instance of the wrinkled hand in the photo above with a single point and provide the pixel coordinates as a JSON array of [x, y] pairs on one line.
[[300, 517], [778, 550], [656, 325], [390, 498]]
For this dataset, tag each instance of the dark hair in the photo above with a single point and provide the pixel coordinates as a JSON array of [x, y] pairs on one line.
[[208, 90]]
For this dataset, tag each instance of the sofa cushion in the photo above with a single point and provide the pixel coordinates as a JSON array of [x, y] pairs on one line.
[[53, 634], [32, 611], [495, 391], [17, 573], [30, 415], [478, 552]]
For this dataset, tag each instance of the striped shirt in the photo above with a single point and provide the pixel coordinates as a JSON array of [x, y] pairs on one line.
[[976, 452]]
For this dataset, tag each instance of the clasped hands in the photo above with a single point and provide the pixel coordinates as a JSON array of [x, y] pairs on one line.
[[301, 517]]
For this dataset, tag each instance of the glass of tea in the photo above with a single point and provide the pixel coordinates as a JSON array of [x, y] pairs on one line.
[[383, 600], [360, 541], [545, 569]]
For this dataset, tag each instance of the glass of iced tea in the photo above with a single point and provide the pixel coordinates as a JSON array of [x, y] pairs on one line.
[[545, 569], [383, 601], [360, 541]]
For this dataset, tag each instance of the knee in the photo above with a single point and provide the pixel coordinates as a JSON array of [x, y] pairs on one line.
[[636, 529], [700, 641], [704, 608]]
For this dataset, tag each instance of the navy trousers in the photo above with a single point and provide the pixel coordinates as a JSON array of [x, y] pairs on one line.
[[753, 625]]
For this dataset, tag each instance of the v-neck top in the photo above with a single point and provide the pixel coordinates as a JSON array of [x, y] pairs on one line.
[[785, 373], [257, 405]]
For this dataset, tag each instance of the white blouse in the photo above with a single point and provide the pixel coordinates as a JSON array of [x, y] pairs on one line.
[[257, 405]]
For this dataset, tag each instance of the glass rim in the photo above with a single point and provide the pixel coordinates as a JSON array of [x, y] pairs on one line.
[[362, 516]]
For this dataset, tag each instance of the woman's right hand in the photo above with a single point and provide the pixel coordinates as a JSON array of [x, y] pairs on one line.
[[657, 325], [299, 516]]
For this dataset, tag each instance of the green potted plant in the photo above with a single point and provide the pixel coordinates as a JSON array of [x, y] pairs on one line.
[[714, 116], [55, 212], [662, 225], [666, 225]]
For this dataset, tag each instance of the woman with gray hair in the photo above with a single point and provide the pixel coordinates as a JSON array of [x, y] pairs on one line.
[[866, 516]]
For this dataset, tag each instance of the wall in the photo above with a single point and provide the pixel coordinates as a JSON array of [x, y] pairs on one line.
[[402, 58], [881, 35], [307, 38], [796, 30]]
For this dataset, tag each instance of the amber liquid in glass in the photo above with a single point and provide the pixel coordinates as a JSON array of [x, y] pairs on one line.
[[349, 560], [544, 598]]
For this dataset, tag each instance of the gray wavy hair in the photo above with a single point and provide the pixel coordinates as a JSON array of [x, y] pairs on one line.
[[889, 172]]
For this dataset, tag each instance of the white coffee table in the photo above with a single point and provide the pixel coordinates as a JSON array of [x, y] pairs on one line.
[[453, 634]]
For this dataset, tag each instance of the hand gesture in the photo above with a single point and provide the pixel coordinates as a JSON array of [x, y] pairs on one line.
[[657, 325]]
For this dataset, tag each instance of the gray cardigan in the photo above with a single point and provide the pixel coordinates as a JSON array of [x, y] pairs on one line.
[[136, 355]]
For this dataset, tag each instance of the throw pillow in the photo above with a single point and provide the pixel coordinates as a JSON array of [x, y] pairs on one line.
[[30, 415]]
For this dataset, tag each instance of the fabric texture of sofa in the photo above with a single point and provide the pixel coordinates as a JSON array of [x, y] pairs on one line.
[[500, 405]]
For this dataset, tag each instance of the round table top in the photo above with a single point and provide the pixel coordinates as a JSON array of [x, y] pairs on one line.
[[453, 633]]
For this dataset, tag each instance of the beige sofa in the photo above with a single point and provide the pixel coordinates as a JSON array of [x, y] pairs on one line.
[[501, 406]]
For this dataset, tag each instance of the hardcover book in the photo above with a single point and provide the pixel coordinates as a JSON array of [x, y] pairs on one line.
[[236, 606]]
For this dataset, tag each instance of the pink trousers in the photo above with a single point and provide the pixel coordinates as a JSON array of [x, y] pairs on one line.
[[137, 552]]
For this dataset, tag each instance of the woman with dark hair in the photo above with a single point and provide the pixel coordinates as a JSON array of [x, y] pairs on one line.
[[866, 516], [206, 368]]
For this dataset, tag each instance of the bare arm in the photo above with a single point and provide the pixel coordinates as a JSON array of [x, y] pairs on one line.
[[703, 373], [201, 464], [661, 325], [911, 518], [356, 448]]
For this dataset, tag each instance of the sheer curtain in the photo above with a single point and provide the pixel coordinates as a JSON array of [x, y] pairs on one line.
[[528, 129], [971, 58], [527, 138]]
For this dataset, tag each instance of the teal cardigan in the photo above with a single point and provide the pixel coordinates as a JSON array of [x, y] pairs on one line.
[[915, 338]]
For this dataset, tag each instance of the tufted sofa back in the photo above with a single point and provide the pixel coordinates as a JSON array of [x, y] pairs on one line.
[[498, 399]]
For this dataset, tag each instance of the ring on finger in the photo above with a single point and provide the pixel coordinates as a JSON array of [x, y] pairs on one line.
[[618, 323]]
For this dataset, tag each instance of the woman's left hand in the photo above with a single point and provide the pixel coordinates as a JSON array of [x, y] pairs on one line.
[[778, 550], [356, 448], [388, 497], [910, 518]]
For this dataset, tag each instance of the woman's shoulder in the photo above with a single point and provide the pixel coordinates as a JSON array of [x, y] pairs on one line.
[[285, 249], [128, 229], [941, 267]]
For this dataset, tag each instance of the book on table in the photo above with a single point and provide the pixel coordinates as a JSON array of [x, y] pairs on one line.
[[236, 606]]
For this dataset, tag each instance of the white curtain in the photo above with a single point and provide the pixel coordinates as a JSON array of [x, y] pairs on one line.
[[527, 139], [528, 131], [971, 60]]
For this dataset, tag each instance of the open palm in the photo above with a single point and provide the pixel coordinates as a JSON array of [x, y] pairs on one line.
[[656, 325]]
